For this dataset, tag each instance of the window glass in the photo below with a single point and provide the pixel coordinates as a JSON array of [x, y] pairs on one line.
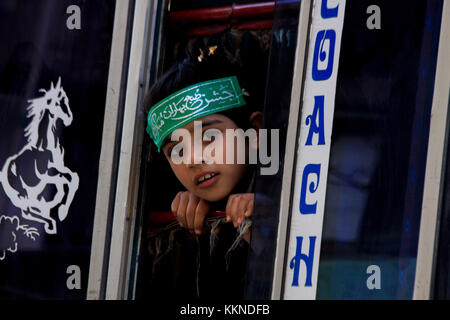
[[276, 113], [197, 4], [53, 75], [378, 153]]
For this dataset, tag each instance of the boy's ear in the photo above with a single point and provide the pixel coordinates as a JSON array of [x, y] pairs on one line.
[[256, 119]]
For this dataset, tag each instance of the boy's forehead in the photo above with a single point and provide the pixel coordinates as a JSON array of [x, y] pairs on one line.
[[208, 120], [204, 121]]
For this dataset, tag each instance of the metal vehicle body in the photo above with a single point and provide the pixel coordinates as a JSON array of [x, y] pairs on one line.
[[358, 89]]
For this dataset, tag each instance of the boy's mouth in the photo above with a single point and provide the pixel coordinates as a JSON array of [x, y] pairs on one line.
[[205, 180]]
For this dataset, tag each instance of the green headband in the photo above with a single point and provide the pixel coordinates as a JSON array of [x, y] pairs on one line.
[[191, 103]]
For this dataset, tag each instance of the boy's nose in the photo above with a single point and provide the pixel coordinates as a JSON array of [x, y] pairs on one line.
[[195, 155]]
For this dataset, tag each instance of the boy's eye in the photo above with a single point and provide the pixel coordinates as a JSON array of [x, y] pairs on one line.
[[208, 134], [169, 151], [178, 149], [211, 134]]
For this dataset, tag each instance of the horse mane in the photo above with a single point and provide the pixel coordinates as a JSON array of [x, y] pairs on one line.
[[34, 112]]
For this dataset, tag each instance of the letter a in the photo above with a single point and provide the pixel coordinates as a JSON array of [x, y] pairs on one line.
[[74, 20], [374, 21], [74, 280], [311, 120], [374, 281]]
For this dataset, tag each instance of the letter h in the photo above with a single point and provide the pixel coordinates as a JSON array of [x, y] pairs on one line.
[[308, 259]]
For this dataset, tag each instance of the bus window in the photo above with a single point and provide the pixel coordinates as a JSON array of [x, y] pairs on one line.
[[378, 154], [202, 39], [54, 66]]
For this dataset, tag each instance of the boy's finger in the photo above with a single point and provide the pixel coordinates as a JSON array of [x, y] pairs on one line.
[[249, 211], [181, 212], [241, 208], [202, 207], [190, 211], [234, 210], [175, 203], [200, 214], [228, 207]]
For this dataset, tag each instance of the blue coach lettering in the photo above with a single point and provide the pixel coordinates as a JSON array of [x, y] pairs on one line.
[[306, 208], [327, 12], [311, 120], [319, 53], [308, 259]]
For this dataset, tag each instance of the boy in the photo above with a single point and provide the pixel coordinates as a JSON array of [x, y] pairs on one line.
[[206, 93]]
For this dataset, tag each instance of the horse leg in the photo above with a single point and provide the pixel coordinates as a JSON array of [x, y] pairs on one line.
[[60, 177], [72, 184], [34, 214]]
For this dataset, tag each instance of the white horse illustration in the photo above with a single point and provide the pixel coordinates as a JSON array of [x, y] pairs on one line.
[[38, 172]]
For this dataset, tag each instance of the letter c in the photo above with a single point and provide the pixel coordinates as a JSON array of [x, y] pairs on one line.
[[306, 208], [326, 12]]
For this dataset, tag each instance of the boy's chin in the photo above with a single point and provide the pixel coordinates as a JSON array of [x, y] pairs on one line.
[[213, 197]]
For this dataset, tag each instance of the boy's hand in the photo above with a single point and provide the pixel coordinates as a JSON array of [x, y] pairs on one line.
[[190, 211], [239, 207]]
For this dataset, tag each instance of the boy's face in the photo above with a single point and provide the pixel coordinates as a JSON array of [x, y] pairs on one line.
[[211, 182]]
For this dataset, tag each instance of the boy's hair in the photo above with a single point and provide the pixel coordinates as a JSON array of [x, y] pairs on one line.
[[191, 71]]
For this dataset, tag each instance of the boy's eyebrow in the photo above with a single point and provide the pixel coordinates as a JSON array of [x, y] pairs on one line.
[[211, 122], [205, 123]]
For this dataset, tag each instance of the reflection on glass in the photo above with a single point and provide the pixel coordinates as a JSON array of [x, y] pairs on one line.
[[378, 153]]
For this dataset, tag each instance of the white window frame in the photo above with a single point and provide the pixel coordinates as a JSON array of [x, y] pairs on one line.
[[105, 183], [109, 271], [289, 158], [126, 202], [305, 45], [434, 179]]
